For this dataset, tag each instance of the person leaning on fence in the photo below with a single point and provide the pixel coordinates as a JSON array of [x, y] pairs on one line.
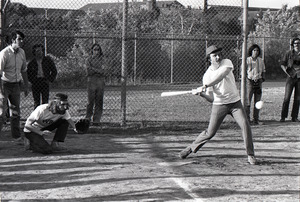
[[219, 87], [46, 118], [41, 71], [255, 77], [13, 72], [290, 64], [96, 73]]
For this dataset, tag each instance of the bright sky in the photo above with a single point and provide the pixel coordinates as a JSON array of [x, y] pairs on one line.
[[74, 4]]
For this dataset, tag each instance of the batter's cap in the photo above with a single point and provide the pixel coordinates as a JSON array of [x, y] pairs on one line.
[[212, 49]]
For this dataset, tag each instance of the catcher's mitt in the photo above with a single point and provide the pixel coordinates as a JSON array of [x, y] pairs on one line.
[[82, 125]]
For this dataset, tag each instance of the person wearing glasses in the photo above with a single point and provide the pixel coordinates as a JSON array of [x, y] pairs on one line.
[[46, 119], [291, 66], [96, 73], [13, 73], [41, 71]]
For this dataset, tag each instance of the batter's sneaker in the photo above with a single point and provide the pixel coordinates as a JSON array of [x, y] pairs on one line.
[[58, 146], [184, 153], [252, 160]]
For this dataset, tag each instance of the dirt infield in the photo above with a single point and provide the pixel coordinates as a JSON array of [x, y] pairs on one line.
[[131, 164]]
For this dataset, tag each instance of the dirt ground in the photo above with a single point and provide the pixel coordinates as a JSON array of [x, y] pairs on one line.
[[142, 164]]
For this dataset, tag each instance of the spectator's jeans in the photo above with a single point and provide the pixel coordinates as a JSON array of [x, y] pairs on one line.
[[95, 99], [255, 92], [218, 114], [11, 92], [291, 84], [40, 88]]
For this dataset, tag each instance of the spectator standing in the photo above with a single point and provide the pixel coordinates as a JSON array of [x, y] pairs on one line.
[[95, 84], [255, 77], [291, 65], [13, 72], [41, 71]]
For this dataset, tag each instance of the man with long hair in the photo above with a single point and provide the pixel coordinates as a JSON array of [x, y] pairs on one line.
[[291, 65], [45, 119]]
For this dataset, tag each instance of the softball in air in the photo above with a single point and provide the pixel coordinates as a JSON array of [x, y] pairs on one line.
[[259, 104]]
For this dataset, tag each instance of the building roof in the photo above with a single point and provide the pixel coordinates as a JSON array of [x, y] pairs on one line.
[[51, 11], [143, 4], [237, 10]]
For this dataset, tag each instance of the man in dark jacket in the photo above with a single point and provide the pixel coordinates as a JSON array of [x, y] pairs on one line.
[[41, 71]]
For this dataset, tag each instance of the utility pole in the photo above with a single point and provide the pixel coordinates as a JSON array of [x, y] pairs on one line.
[[124, 62], [205, 6], [205, 23], [244, 52], [45, 33]]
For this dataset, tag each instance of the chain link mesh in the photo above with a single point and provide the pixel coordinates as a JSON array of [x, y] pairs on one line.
[[166, 51]]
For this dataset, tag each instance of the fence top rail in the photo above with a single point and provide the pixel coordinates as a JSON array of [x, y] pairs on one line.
[[129, 36], [138, 36]]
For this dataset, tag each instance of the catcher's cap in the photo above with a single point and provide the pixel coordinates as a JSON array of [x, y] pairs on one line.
[[212, 49], [61, 97]]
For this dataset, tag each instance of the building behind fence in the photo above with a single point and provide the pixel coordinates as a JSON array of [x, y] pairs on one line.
[[166, 44]]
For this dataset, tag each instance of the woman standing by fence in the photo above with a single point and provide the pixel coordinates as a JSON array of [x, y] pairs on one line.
[[95, 84]]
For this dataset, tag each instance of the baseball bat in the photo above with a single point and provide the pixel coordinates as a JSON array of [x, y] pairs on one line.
[[173, 93]]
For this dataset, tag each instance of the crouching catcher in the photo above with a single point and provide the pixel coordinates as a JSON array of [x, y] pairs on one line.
[[47, 119]]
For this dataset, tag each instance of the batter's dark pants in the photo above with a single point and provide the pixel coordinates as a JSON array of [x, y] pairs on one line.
[[38, 142]]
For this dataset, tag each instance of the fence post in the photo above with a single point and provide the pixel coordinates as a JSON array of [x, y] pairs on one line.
[[206, 42], [172, 56], [263, 52], [244, 51], [134, 65], [238, 56], [45, 33], [94, 37], [124, 62]]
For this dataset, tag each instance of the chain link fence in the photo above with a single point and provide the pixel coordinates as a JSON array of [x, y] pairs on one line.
[[166, 45]]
